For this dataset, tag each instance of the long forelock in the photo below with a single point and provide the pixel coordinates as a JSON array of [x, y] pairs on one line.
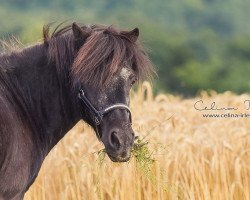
[[101, 56], [104, 53]]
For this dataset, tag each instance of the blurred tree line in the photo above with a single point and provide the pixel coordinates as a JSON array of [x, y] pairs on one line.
[[194, 44]]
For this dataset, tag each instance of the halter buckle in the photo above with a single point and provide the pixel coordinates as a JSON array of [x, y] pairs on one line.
[[98, 120]]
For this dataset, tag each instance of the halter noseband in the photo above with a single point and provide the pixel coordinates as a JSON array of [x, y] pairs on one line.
[[99, 114]]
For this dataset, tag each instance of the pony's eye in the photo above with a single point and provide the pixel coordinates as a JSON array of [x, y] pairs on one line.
[[133, 82]]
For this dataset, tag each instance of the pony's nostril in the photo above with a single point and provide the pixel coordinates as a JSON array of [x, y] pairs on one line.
[[114, 140]]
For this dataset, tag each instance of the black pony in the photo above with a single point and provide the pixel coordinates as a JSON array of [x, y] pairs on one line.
[[79, 72]]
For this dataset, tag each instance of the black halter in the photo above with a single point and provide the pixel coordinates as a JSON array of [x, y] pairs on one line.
[[99, 114]]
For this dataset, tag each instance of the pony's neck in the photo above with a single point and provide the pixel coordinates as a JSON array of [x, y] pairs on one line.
[[47, 100]]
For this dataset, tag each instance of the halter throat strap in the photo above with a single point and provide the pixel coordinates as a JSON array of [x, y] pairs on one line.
[[99, 114]]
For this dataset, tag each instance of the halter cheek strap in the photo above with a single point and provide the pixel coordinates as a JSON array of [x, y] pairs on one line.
[[99, 114]]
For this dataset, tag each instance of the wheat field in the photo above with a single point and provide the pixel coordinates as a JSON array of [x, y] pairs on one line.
[[194, 157]]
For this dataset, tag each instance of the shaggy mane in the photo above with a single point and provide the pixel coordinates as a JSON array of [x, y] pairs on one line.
[[104, 52]]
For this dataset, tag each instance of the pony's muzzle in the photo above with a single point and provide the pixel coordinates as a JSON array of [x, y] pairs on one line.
[[119, 145]]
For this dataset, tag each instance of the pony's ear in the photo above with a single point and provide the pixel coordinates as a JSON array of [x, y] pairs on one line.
[[131, 35], [80, 33]]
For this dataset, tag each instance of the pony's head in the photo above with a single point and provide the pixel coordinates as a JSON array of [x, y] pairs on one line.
[[106, 63]]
